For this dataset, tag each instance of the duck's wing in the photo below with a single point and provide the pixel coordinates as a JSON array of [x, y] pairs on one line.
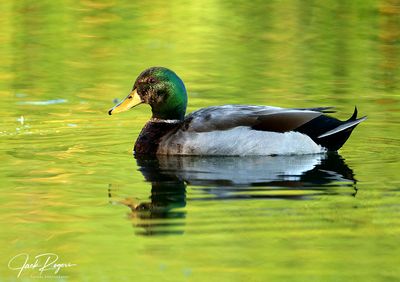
[[325, 110], [257, 117]]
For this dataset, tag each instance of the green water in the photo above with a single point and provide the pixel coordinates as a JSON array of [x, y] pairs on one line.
[[70, 185]]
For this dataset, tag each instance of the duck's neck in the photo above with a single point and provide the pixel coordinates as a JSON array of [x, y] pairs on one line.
[[168, 112], [158, 120]]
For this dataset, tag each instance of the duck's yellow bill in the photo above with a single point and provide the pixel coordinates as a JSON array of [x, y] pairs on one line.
[[133, 99]]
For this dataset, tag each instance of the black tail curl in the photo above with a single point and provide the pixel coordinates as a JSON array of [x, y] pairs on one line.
[[330, 132]]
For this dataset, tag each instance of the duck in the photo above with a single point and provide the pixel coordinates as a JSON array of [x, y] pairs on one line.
[[227, 130]]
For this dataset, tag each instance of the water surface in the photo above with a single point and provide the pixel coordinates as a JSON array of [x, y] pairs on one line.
[[71, 186]]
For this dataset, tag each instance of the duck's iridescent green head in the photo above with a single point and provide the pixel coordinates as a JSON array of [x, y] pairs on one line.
[[162, 89]]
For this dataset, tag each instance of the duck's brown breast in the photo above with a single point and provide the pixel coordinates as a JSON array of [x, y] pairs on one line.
[[150, 136]]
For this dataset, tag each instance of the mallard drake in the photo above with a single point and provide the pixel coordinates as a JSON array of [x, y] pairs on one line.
[[228, 129]]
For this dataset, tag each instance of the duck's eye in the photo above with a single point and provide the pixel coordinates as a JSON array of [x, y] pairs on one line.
[[151, 80]]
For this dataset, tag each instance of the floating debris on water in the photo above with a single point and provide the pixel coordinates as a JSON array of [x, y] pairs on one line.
[[72, 125], [43, 103], [21, 120]]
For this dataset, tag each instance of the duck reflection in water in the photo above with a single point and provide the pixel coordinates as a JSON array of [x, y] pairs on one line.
[[222, 178]]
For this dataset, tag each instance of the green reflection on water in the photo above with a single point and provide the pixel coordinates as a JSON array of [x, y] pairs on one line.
[[63, 63]]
